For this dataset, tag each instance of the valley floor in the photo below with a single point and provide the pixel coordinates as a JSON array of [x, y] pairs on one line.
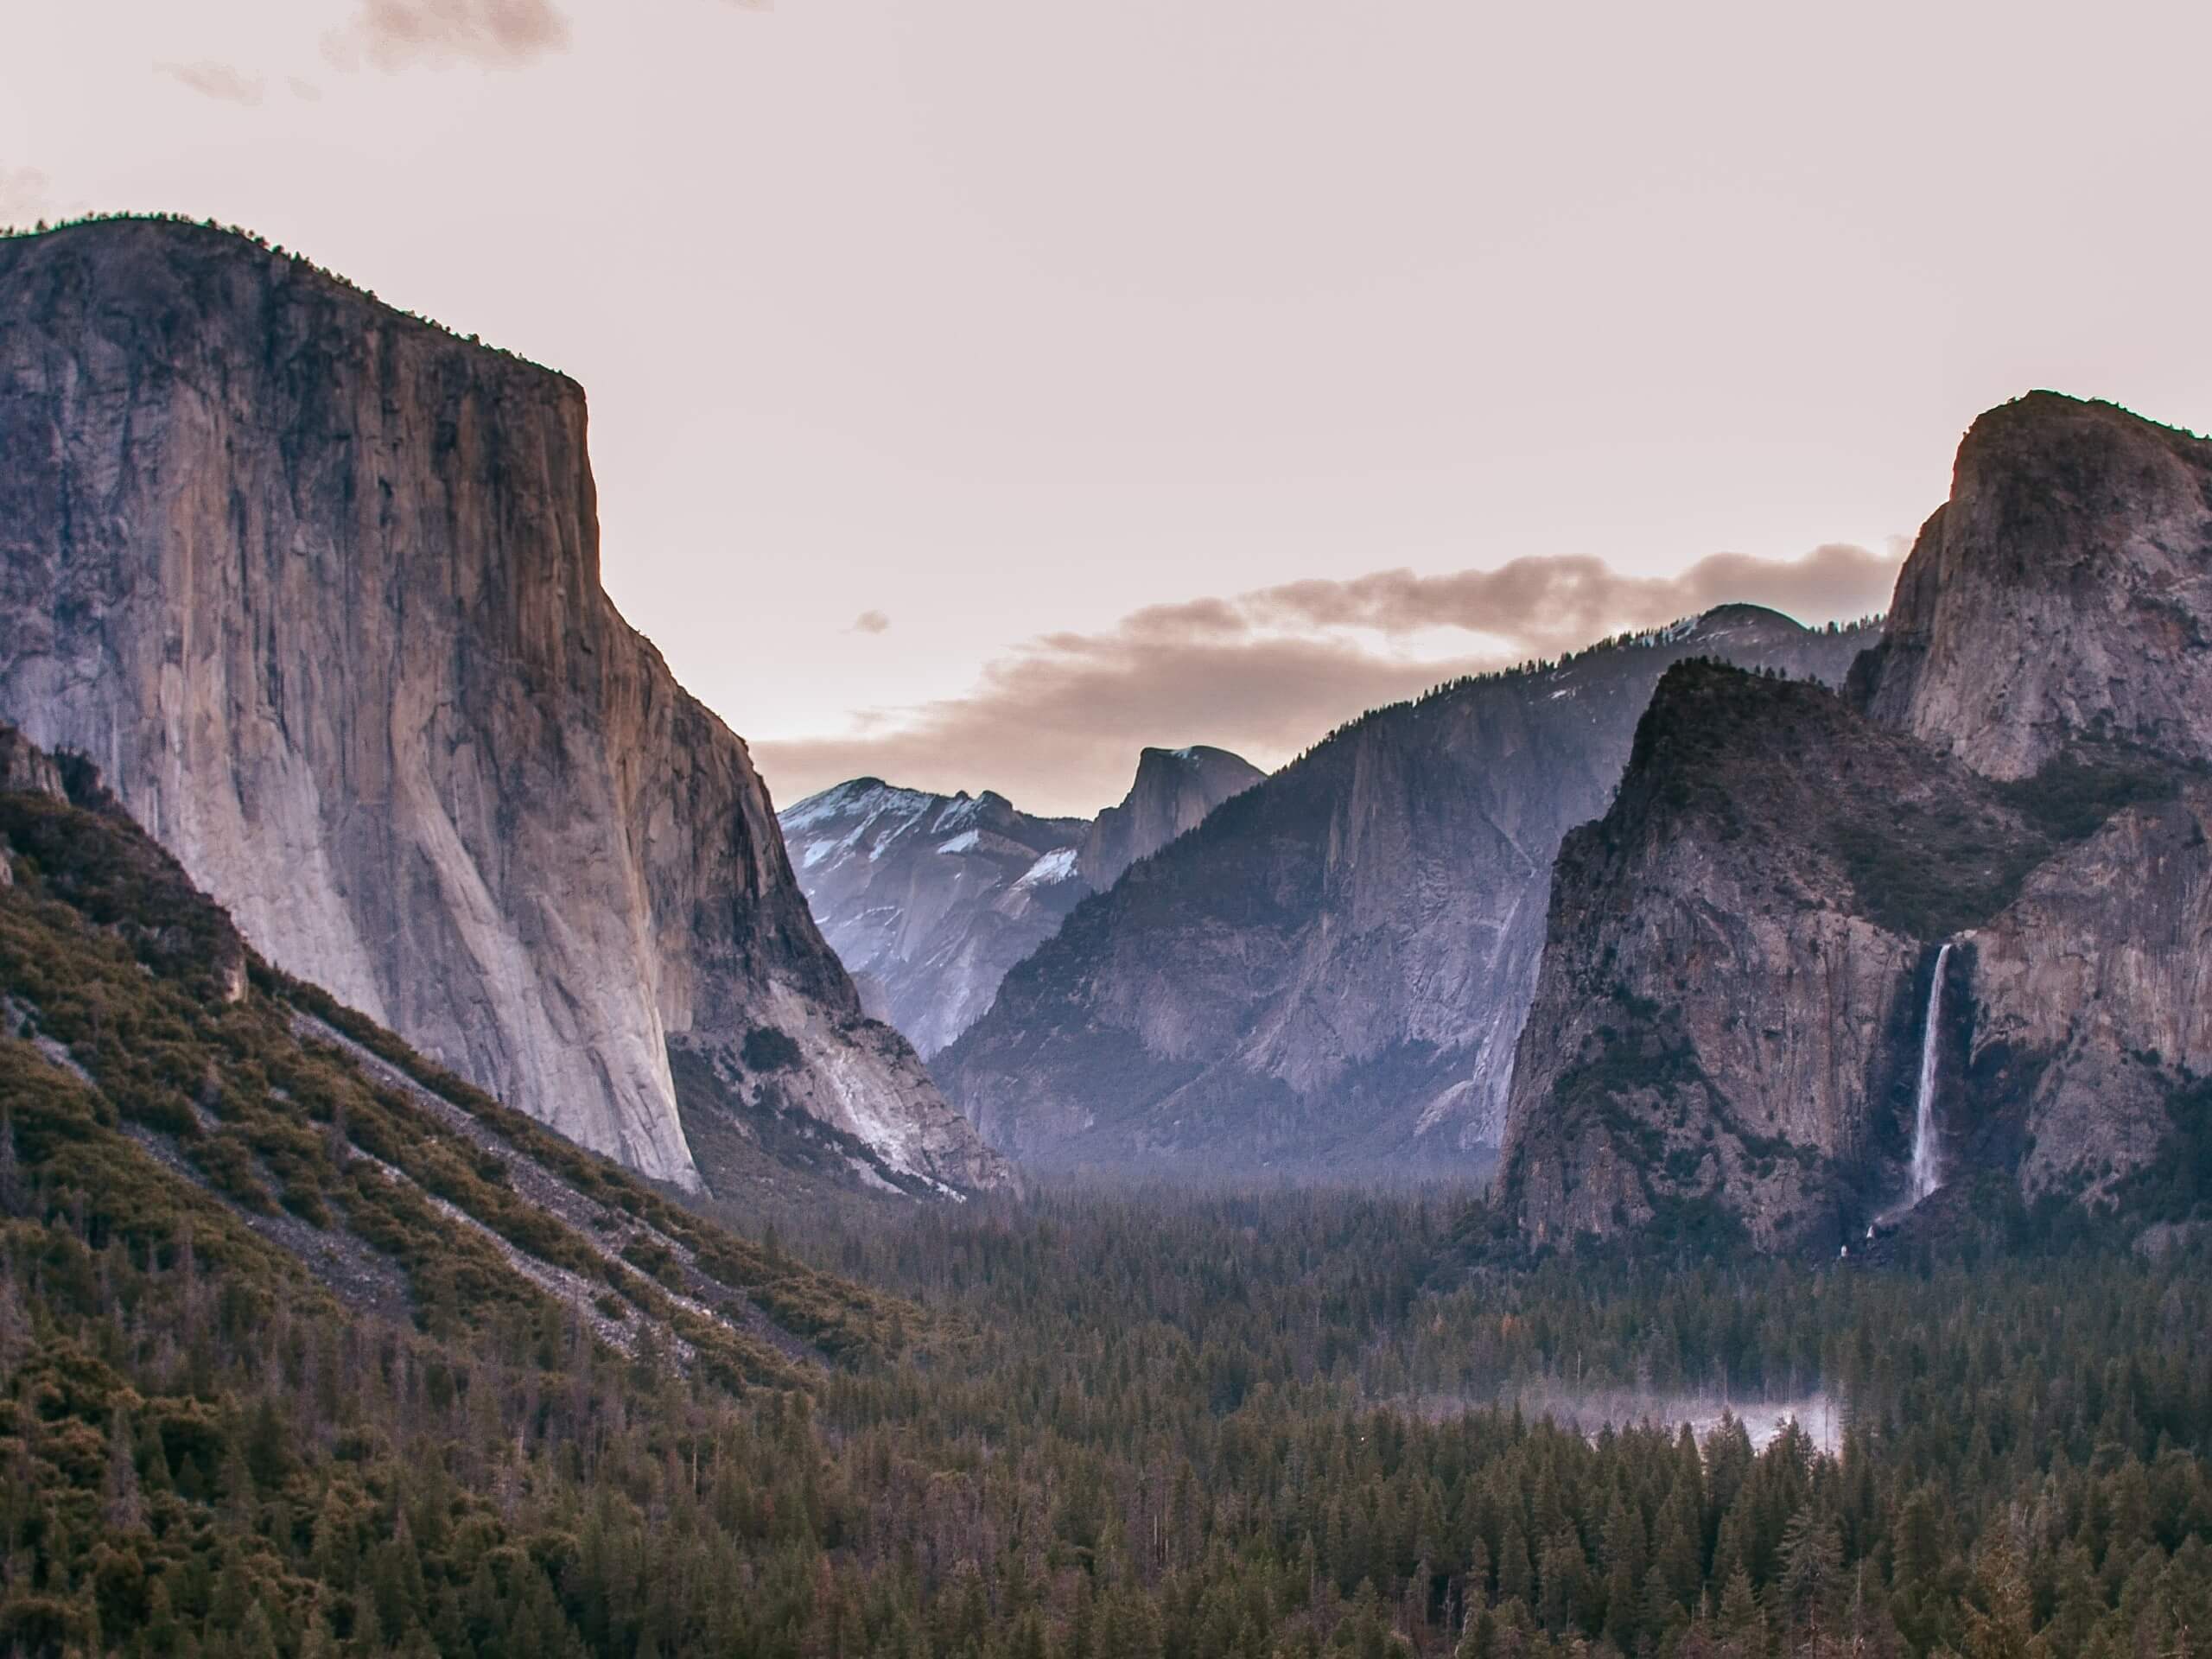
[[1166, 1426]]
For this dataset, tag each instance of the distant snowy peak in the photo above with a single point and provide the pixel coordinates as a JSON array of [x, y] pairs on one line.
[[929, 899], [861, 800]]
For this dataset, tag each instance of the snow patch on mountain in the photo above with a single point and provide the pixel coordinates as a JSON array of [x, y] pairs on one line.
[[1058, 864]]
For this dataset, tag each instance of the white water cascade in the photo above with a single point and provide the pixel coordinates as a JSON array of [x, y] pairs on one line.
[[1927, 1154]]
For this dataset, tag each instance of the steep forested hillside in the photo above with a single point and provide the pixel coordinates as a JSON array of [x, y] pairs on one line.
[[169, 1093]]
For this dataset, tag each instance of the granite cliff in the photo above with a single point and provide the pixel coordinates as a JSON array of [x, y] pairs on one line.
[[1738, 956], [2063, 592], [1328, 975], [167, 1088], [1174, 791], [316, 585], [1735, 996]]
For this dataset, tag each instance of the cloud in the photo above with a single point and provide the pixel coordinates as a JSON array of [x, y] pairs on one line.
[[1539, 607], [1057, 724], [216, 80], [497, 33], [871, 622]]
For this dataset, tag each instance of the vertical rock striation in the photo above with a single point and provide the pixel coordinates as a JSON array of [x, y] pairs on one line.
[[316, 585], [2093, 993]]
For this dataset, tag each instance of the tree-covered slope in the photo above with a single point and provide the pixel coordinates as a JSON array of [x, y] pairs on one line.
[[165, 1087]]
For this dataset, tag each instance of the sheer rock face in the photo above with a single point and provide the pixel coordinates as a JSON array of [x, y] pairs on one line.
[[2065, 590], [316, 585], [1174, 791], [930, 898], [2027, 782], [2099, 977], [1330, 973], [1732, 985]]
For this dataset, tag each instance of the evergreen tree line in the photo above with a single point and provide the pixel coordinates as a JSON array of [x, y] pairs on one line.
[[1139, 1427]]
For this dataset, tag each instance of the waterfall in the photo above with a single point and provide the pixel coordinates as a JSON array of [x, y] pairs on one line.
[[1927, 1156]]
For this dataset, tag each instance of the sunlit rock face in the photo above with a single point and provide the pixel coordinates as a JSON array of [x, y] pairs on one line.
[[317, 586]]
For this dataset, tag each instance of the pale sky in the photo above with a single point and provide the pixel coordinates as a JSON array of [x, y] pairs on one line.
[[972, 379]]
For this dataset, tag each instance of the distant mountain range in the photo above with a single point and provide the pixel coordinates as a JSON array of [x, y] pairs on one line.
[[1327, 977], [930, 898]]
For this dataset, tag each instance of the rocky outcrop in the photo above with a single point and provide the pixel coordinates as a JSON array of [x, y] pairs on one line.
[[1738, 956], [2093, 996], [1174, 791], [2063, 591], [30, 770], [2018, 773], [25, 767], [930, 898], [316, 585], [1329, 974]]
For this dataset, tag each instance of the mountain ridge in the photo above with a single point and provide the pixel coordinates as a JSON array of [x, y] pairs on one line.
[[316, 585], [1327, 976], [928, 899]]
